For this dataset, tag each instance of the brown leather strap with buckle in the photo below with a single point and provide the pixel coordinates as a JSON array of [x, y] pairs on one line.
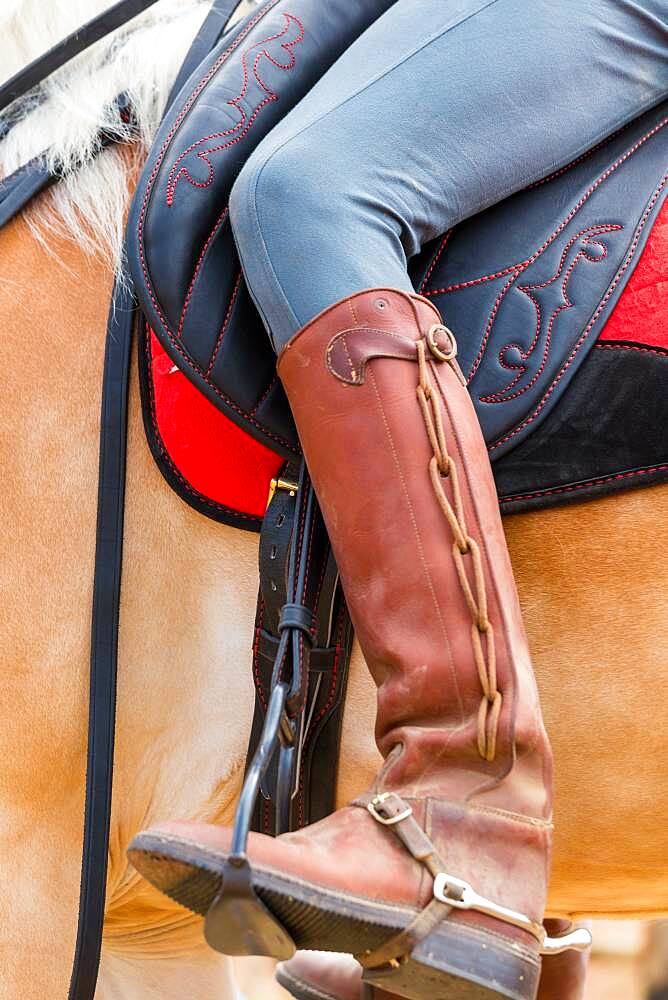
[[394, 812]]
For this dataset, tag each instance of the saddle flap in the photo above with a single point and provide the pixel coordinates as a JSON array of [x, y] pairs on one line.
[[526, 285]]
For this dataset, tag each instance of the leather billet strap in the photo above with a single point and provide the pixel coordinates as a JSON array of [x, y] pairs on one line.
[[275, 538], [396, 814], [315, 659]]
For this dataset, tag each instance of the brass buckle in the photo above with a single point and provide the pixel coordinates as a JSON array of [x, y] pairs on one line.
[[437, 351], [281, 484], [387, 820]]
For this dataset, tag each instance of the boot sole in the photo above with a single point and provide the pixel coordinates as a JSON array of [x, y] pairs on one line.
[[455, 962], [302, 990]]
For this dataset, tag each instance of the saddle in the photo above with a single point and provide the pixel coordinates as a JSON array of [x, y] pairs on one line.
[[539, 291]]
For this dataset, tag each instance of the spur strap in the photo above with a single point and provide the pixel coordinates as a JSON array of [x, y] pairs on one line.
[[393, 812], [449, 892]]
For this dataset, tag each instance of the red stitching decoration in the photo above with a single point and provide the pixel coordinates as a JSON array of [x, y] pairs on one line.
[[226, 322], [600, 481], [609, 345], [167, 458], [264, 395], [516, 269], [586, 236], [256, 659], [601, 306], [189, 361], [200, 260], [437, 256], [241, 129]]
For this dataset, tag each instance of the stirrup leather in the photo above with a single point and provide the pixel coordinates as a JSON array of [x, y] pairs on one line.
[[449, 892]]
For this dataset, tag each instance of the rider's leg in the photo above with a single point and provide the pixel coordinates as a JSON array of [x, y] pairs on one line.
[[401, 471], [441, 108], [402, 474]]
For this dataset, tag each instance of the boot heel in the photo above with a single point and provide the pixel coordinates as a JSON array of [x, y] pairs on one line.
[[456, 963]]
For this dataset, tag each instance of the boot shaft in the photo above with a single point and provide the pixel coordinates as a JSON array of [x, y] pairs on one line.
[[403, 477]]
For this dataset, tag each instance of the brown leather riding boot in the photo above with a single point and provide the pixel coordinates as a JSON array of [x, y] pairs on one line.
[[314, 975], [436, 878]]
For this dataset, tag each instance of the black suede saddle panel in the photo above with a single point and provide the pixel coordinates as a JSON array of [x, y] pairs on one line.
[[527, 286]]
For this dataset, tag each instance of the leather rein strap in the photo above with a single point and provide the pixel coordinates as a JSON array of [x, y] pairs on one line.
[[104, 644], [36, 176], [15, 193]]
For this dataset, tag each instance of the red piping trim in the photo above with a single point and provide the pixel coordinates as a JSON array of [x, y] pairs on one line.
[[600, 481]]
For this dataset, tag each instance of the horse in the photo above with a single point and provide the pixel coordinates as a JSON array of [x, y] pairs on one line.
[[592, 580]]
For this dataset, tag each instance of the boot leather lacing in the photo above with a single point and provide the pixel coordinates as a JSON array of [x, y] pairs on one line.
[[442, 466]]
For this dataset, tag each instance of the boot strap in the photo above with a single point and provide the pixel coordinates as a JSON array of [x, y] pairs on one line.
[[450, 892]]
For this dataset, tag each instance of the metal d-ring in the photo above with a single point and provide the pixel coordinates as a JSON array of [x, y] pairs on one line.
[[432, 343]]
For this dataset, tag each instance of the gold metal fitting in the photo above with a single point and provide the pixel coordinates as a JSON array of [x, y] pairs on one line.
[[281, 484], [436, 349]]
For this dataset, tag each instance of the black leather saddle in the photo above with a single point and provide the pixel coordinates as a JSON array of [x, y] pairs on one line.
[[527, 286]]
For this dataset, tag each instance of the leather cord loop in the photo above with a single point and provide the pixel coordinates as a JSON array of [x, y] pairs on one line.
[[466, 554]]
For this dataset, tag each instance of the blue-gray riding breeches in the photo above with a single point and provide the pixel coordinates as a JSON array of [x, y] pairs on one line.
[[440, 109]]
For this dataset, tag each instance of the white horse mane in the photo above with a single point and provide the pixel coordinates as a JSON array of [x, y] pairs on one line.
[[141, 60]]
